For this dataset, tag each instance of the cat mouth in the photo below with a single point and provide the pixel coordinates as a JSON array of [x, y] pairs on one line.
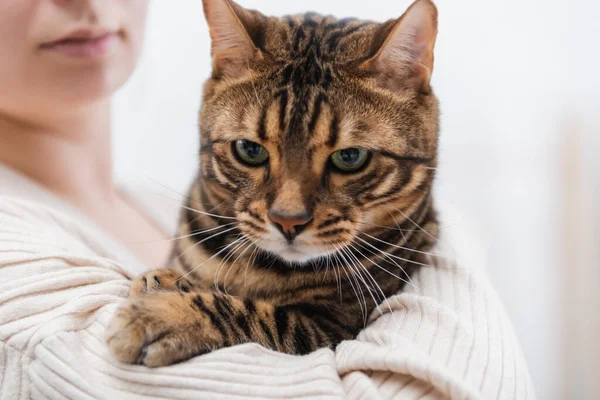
[[302, 250]]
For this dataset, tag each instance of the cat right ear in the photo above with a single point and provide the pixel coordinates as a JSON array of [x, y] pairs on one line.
[[232, 47]]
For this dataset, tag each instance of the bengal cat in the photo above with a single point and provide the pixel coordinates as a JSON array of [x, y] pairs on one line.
[[313, 204]]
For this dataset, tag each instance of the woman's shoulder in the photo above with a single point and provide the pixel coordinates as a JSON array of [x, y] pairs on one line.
[[15, 186], [29, 212], [34, 221]]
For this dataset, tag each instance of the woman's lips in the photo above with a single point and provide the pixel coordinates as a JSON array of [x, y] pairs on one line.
[[84, 44]]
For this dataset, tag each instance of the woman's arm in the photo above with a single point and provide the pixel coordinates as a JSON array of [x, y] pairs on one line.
[[447, 337], [57, 295]]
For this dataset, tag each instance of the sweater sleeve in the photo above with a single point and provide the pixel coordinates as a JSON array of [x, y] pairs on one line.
[[446, 337], [57, 295]]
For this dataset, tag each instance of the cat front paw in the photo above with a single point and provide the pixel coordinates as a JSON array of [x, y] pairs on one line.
[[160, 329], [160, 280]]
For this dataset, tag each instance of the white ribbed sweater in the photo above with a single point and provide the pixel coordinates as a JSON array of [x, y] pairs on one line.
[[61, 278]]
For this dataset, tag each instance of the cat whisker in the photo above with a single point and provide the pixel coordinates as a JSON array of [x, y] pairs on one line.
[[210, 258], [417, 225], [362, 270], [387, 300], [251, 260], [213, 206], [366, 271], [225, 259], [407, 281], [339, 282], [351, 281], [190, 208], [360, 293], [200, 231], [209, 214], [326, 260], [386, 227], [191, 234], [388, 256], [357, 262], [338, 278], [208, 238], [226, 264], [186, 196], [402, 247], [249, 245], [404, 240], [395, 256]]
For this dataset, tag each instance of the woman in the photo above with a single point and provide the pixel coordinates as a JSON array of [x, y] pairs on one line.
[[71, 241], [62, 61]]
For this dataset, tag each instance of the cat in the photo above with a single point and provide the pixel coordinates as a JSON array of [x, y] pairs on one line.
[[314, 199]]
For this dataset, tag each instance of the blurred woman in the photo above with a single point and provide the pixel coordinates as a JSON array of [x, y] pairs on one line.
[[61, 62]]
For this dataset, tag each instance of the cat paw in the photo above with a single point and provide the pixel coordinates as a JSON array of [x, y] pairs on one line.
[[159, 329], [159, 280]]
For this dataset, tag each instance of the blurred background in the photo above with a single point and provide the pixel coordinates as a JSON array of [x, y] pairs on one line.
[[519, 87]]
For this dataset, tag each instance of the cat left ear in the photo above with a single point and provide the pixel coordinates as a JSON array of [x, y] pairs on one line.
[[232, 47], [405, 59]]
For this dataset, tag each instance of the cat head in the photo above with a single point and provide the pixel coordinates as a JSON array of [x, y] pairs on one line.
[[316, 130]]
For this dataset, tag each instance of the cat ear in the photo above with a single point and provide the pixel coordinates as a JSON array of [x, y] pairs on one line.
[[232, 47], [405, 58]]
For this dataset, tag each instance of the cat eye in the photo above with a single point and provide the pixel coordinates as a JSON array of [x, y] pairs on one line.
[[250, 153], [349, 160]]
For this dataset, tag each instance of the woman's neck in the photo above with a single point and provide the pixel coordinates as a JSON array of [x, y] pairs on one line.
[[70, 156]]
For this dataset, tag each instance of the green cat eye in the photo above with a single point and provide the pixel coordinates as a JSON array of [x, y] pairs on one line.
[[250, 153], [350, 160]]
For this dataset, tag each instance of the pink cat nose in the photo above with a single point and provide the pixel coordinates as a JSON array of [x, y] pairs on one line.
[[289, 226]]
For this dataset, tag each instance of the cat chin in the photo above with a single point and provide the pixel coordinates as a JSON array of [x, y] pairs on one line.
[[296, 257], [293, 254]]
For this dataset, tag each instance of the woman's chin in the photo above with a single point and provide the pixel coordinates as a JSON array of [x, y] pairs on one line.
[[86, 85], [73, 82]]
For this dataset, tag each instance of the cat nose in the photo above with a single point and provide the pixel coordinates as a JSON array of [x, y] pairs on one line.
[[289, 226]]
